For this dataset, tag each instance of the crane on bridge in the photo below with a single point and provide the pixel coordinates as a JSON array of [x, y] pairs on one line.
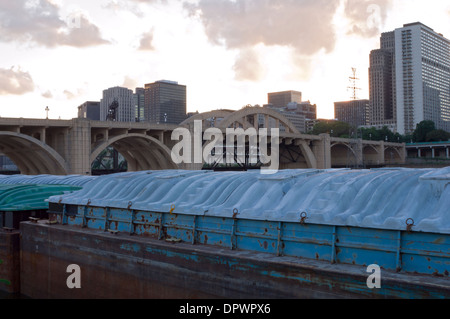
[[112, 111], [108, 161]]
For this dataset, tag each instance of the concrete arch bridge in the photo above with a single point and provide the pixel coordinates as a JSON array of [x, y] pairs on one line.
[[298, 150], [61, 147]]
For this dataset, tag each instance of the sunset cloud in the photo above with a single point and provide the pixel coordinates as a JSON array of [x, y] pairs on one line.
[[146, 42], [39, 22], [129, 83], [367, 17], [303, 25], [122, 5], [248, 66], [15, 81], [47, 94], [73, 95]]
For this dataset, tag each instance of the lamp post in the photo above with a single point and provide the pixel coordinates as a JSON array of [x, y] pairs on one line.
[[46, 110]]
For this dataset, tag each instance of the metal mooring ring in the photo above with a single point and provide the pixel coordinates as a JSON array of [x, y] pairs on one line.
[[303, 217], [409, 223], [235, 212]]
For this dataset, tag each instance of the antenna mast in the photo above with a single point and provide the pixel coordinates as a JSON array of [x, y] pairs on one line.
[[354, 87]]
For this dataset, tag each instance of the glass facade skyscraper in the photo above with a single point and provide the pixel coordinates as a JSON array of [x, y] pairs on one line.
[[139, 101], [165, 102]]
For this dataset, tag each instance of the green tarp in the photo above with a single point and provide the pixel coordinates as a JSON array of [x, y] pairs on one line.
[[26, 197]]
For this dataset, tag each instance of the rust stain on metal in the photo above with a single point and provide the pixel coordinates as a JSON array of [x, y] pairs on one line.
[[439, 241]]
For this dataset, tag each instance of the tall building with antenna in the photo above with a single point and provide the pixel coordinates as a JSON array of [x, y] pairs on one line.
[[355, 111]]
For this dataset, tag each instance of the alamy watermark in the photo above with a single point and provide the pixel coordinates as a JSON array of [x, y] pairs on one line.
[[73, 17], [73, 20], [374, 20], [374, 280], [74, 279], [249, 146]]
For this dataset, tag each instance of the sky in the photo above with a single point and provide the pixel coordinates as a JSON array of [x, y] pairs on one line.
[[229, 53]]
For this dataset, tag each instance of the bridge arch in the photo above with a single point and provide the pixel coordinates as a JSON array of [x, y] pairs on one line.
[[238, 117], [342, 154], [217, 114], [297, 155], [371, 155], [31, 156], [392, 155], [141, 152]]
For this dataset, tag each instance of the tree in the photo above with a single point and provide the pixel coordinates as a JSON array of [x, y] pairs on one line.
[[371, 134], [383, 134], [437, 136], [334, 128], [422, 129]]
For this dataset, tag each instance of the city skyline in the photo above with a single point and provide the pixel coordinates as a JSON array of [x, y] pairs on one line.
[[228, 53]]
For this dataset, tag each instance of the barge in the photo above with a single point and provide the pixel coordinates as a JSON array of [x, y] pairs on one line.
[[293, 234]]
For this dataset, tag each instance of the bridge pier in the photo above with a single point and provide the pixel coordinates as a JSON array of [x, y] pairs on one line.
[[322, 151], [79, 147]]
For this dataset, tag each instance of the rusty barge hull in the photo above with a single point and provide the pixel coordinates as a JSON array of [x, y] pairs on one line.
[[9, 261], [117, 265]]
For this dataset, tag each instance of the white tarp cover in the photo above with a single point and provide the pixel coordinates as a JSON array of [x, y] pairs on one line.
[[377, 198]]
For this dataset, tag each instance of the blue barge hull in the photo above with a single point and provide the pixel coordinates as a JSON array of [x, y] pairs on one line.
[[117, 265], [396, 250]]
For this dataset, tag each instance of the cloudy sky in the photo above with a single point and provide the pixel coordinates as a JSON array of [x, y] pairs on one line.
[[229, 53]]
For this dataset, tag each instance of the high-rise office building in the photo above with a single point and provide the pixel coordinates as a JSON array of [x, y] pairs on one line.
[[416, 60], [354, 112], [422, 59], [126, 110], [305, 108], [290, 104], [139, 102], [165, 102], [382, 84], [89, 110], [282, 99]]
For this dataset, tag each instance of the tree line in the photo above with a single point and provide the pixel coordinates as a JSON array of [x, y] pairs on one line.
[[425, 131]]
